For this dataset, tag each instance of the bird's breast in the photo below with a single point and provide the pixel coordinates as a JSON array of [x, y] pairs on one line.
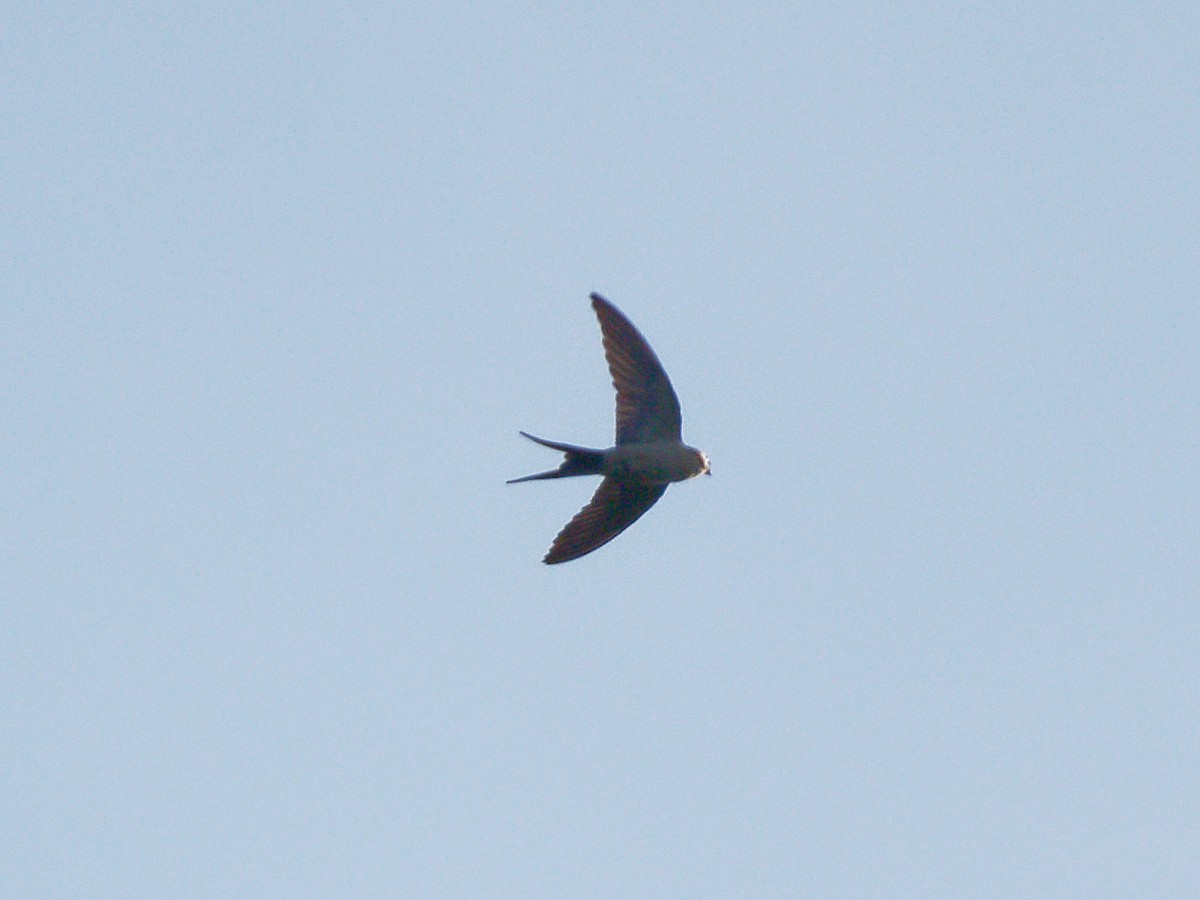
[[657, 463]]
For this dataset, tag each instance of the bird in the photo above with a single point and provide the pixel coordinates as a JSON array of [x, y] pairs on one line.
[[648, 453]]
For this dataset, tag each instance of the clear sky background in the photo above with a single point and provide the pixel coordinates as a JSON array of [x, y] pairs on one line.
[[280, 285]]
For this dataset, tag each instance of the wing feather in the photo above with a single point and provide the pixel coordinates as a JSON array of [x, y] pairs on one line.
[[614, 507], [647, 408]]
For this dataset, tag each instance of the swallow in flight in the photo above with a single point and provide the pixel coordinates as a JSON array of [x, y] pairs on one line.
[[649, 452]]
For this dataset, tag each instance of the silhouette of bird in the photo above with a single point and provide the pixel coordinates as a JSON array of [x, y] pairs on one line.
[[649, 452]]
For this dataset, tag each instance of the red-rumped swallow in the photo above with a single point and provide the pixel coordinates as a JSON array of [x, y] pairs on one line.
[[649, 453]]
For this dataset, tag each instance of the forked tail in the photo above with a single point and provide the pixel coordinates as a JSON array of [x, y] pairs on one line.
[[579, 461]]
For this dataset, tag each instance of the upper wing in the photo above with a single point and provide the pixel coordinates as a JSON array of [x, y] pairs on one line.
[[614, 507], [647, 408]]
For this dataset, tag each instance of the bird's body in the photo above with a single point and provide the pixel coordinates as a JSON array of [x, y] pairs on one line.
[[660, 462], [649, 452]]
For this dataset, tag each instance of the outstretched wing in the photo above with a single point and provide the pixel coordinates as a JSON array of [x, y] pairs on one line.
[[647, 408], [614, 507]]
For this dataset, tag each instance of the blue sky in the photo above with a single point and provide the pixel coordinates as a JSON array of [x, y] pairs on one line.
[[281, 285]]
